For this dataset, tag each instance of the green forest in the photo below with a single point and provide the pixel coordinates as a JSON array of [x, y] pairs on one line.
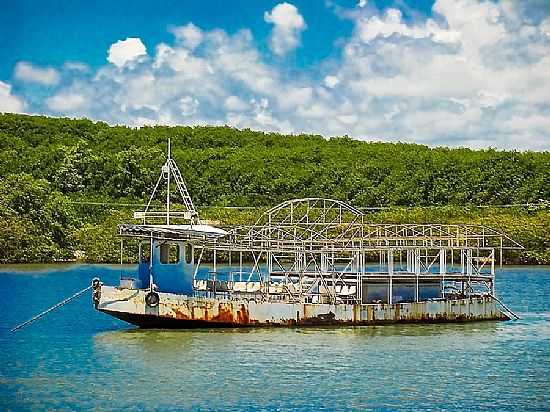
[[65, 184]]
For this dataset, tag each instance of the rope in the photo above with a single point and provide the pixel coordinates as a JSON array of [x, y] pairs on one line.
[[505, 307], [58, 305]]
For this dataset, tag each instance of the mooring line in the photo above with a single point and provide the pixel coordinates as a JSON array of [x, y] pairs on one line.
[[58, 305], [505, 307]]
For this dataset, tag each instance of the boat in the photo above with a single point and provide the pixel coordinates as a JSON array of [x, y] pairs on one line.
[[305, 262]]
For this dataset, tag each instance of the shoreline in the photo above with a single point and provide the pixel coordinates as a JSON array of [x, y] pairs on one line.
[[45, 265]]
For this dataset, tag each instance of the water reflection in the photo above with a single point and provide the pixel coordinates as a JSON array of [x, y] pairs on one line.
[[138, 345], [79, 359], [137, 335]]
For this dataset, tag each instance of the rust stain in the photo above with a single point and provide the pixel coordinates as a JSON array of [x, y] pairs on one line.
[[356, 313], [180, 314], [243, 317], [225, 314]]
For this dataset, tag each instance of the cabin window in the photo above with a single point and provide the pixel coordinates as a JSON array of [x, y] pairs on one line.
[[188, 253], [169, 253]]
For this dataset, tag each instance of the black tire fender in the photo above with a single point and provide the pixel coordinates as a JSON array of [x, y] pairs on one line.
[[152, 299]]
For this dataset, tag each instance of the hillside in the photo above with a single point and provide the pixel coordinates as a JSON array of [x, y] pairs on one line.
[[51, 170]]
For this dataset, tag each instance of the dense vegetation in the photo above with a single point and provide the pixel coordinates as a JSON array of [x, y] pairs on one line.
[[52, 169]]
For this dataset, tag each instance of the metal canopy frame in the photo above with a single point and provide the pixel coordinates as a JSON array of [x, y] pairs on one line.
[[316, 250]]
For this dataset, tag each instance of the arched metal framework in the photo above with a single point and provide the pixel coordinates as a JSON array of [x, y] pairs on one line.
[[317, 250]]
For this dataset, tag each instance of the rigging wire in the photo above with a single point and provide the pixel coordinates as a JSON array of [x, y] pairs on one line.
[[54, 307]]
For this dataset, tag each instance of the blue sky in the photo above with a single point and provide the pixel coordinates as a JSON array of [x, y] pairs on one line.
[[450, 72], [64, 30]]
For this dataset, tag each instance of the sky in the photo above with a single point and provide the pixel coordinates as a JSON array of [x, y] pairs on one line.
[[467, 73]]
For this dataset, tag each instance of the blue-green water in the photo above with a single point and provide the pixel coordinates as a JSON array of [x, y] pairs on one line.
[[76, 358]]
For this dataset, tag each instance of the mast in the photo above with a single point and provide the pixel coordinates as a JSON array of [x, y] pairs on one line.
[[168, 186], [170, 170]]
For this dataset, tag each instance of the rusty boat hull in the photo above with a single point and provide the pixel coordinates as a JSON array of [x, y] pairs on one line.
[[183, 312]]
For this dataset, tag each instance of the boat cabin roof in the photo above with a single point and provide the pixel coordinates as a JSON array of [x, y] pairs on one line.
[[175, 232]]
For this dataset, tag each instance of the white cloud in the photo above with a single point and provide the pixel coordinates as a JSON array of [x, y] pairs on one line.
[[478, 22], [392, 24], [190, 35], [476, 74], [8, 102], [362, 3], [449, 81], [288, 25], [126, 51], [77, 66], [292, 97], [189, 105], [331, 81], [235, 104], [30, 73], [66, 102], [545, 27]]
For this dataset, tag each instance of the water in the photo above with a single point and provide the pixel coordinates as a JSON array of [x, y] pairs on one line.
[[77, 358]]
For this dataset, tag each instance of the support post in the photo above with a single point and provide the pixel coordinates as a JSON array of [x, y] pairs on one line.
[[390, 273], [168, 187], [416, 272], [443, 268], [493, 274], [442, 262], [240, 266], [360, 283], [501, 252], [151, 249], [269, 258], [214, 258], [469, 269]]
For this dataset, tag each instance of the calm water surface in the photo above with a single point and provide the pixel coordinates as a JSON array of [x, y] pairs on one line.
[[76, 358]]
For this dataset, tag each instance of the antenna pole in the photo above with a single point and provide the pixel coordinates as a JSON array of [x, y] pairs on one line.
[[168, 187]]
